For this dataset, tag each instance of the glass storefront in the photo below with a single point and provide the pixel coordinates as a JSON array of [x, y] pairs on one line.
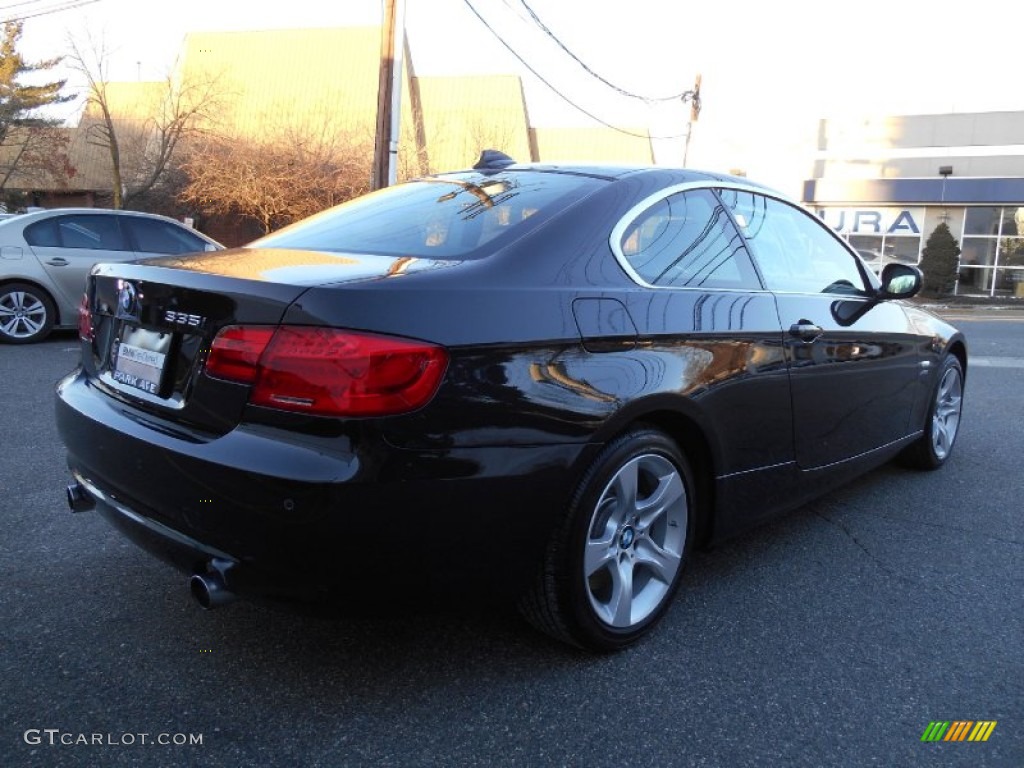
[[992, 252], [991, 241], [880, 235]]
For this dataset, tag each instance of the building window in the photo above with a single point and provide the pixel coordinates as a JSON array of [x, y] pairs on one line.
[[982, 220], [992, 252]]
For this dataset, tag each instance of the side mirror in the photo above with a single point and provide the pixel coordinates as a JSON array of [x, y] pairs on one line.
[[899, 281]]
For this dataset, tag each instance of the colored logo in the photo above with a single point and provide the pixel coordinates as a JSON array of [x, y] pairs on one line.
[[958, 730], [127, 300]]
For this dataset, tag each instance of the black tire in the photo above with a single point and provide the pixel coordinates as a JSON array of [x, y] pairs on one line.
[[606, 542], [27, 313], [942, 424]]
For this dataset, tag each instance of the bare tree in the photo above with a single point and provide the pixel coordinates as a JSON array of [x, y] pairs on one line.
[[142, 145], [283, 176], [34, 153]]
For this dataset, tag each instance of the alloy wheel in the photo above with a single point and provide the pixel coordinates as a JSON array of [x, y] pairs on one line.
[[22, 314], [946, 417], [635, 541]]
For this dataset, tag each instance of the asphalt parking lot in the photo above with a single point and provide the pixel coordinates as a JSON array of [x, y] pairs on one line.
[[831, 637]]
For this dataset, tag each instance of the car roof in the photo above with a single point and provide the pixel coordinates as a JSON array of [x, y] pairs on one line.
[[612, 172], [33, 215]]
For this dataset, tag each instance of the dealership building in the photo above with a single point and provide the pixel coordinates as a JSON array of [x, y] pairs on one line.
[[885, 184]]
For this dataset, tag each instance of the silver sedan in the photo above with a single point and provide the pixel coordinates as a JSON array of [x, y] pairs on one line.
[[45, 257]]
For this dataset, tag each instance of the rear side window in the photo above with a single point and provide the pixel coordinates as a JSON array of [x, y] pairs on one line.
[[43, 234], [457, 216], [155, 236], [87, 231], [686, 240]]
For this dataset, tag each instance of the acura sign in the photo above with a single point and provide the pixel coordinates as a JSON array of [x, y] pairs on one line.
[[873, 221]]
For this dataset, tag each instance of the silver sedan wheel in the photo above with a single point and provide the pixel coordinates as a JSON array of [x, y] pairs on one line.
[[22, 315], [635, 541], [946, 418]]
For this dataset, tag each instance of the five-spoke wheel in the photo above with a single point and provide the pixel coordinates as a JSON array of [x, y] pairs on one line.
[[946, 411], [943, 424], [613, 565], [635, 543]]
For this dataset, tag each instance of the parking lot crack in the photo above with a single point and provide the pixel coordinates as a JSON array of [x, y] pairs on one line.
[[941, 526], [882, 565]]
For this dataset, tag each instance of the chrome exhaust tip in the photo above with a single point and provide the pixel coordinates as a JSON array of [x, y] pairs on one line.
[[79, 499], [209, 590]]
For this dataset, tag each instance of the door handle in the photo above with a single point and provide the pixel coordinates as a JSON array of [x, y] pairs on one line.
[[57, 261], [806, 331]]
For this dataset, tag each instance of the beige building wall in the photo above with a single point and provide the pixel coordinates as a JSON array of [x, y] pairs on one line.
[[462, 116], [275, 81], [131, 100], [591, 145]]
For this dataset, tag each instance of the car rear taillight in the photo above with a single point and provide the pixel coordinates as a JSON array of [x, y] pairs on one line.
[[235, 353], [326, 371], [85, 332]]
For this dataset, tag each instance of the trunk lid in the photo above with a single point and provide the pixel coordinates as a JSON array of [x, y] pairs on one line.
[[153, 322]]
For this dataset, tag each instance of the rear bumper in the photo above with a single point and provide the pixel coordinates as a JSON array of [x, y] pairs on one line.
[[187, 553], [304, 516]]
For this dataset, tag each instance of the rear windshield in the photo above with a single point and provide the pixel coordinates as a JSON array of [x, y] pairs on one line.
[[456, 216]]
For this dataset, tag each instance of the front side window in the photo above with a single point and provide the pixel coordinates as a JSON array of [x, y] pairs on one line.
[[871, 248], [795, 251], [455, 216], [686, 240]]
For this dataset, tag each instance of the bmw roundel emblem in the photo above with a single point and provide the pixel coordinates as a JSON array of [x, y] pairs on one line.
[[127, 299]]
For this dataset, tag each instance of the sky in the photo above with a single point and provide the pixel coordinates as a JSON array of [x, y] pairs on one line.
[[770, 70]]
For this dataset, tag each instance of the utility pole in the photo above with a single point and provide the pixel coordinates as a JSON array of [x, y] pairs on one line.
[[389, 94], [416, 106], [694, 98]]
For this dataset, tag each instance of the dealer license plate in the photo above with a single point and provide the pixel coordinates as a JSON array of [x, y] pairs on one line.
[[141, 355]]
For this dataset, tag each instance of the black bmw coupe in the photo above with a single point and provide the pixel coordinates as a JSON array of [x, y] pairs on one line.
[[552, 380]]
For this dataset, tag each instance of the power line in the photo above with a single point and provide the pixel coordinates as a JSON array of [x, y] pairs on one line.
[[558, 93], [547, 31], [8, 6], [66, 6]]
